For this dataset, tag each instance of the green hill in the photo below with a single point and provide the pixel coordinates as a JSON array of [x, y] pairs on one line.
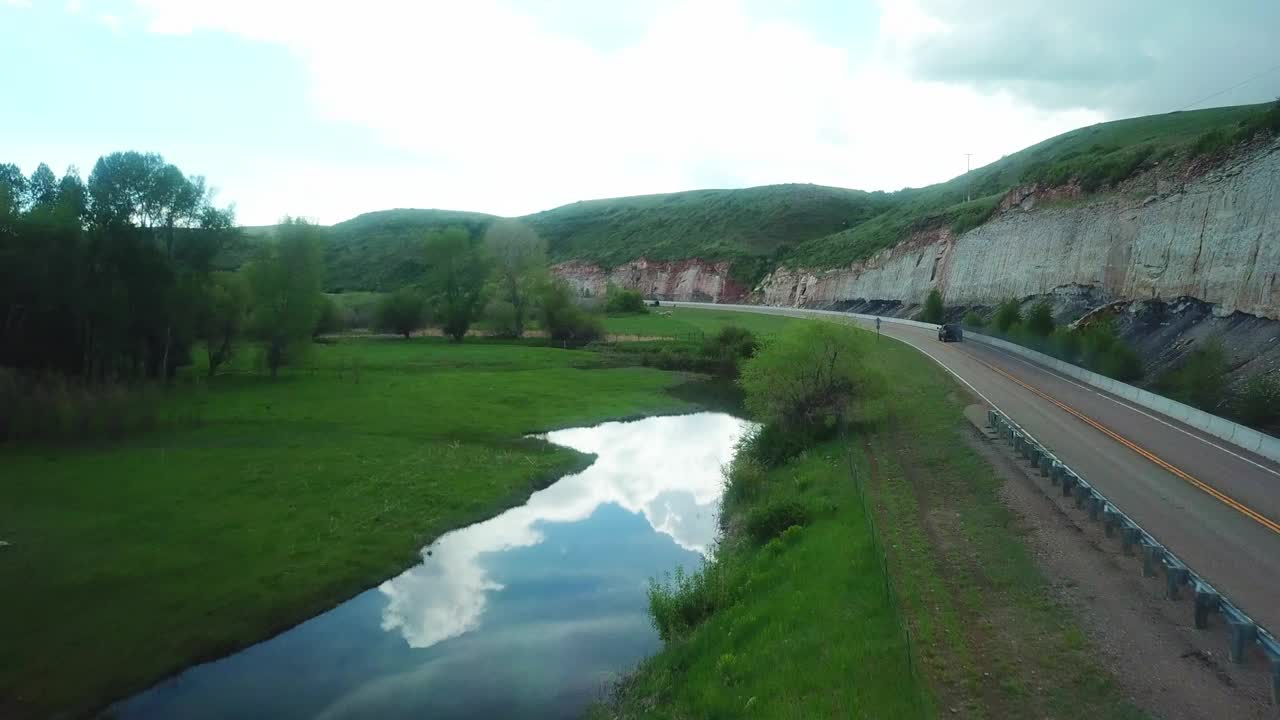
[[800, 225], [383, 250], [743, 226]]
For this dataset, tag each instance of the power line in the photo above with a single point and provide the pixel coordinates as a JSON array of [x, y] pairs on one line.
[[1233, 87]]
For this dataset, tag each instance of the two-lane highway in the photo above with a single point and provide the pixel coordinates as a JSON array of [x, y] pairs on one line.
[[1215, 505]]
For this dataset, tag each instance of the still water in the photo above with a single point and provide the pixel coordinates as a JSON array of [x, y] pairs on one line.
[[528, 614]]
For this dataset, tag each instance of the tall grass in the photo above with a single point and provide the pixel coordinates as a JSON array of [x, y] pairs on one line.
[[54, 408]]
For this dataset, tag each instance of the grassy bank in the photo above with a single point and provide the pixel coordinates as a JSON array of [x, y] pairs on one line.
[[132, 558], [802, 625]]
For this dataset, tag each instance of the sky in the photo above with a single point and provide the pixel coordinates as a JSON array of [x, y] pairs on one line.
[[329, 109]]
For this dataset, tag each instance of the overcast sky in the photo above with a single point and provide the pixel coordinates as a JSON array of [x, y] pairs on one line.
[[329, 109]]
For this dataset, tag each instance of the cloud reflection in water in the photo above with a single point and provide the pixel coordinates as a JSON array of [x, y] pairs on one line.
[[668, 469]]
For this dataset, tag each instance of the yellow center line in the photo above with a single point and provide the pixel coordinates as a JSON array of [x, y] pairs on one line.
[[1229, 501]]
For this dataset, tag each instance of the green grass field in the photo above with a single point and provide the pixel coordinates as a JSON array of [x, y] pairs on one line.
[[131, 560], [691, 323]]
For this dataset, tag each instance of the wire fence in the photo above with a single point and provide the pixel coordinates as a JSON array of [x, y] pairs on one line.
[[877, 546]]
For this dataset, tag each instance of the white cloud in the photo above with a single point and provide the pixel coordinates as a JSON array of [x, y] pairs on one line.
[[508, 115], [111, 21], [21, 4], [74, 7]]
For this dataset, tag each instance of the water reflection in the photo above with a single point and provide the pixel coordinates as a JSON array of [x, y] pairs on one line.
[[526, 614]]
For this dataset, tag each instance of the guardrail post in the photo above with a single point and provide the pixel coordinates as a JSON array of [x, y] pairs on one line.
[[992, 420], [1128, 538], [1046, 463], [1152, 554], [1055, 475], [1068, 480], [1242, 633], [1095, 506], [1082, 495], [1206, 602], [1109, 520], [1174, 578]]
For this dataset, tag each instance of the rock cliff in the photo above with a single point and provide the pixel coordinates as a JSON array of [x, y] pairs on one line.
[[677, 280], [1215, 238]]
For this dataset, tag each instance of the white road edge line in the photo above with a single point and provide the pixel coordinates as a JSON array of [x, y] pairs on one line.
[[1123, 404]]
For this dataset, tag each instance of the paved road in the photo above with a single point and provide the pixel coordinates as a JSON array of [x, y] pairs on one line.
[[1215, 505]]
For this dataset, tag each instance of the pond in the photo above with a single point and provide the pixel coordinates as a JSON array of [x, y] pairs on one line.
[[529, 614]]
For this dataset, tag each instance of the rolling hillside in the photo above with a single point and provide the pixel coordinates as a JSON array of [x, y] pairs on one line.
[[759, 229]]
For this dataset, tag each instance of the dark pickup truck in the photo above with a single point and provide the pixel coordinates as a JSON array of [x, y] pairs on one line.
[[951, 332]]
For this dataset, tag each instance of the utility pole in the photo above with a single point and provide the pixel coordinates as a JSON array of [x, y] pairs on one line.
[[967, 158]]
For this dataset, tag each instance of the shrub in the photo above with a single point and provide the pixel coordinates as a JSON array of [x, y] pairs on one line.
[[807, 376], [1040, 319], [768, 521], [683, 601], [933, 310], [401, 312], [729, 347], [1202, 379], [1258, 401], [1066, 344], [1008, 314], [564, 320], [1210, 143], [500, 316], [973, 320], [619, 301]]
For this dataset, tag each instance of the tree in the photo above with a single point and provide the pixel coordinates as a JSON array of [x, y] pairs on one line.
[[808, 376], [933, 310], [401, 312], [1008, 314], [564, 320], [222, 319], [42, 188], [285, 285], [519, 261], [1040, 320], [456, 272], [1202, 379]]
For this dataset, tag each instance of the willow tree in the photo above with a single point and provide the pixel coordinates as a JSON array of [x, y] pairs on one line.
[[519, 257], [284, 282]]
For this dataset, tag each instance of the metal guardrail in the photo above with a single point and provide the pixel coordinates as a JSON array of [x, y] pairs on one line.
[[1244, 632]]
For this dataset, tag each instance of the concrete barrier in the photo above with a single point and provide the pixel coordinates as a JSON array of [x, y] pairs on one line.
[[1219, 427], [1234, 433]]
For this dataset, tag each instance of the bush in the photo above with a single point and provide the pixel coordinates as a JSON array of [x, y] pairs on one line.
[[619, 301], [772, 444], [1210, 143], [564, 320], [768, 521], [973, 320], [683, 601], [43, 408], [1201, 380], [1258, 401], [401, 312], [728, 348], [808, 376], [933, 310], [1066, 344], [332, 319], [1008, 314], [500, 316], [1040, 320]]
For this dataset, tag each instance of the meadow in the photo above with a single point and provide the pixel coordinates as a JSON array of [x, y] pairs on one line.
[[275, 500]]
